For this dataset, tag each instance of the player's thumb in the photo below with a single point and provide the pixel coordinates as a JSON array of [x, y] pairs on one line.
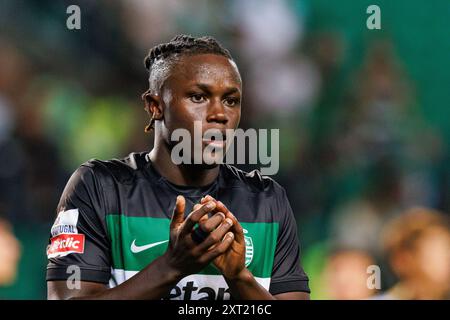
[[178, 212]]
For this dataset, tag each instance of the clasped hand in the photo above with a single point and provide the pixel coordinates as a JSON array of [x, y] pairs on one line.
[[222, 241]]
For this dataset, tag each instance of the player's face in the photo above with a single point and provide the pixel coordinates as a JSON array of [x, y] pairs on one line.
[[205, 89]]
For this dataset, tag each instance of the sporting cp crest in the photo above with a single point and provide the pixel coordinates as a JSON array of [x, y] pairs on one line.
[[248, 249]]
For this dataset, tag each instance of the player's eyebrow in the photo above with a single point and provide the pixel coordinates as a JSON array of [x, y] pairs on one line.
[[231, 91], [204, 87], [207, 89]]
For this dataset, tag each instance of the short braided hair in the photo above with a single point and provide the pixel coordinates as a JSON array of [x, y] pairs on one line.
[[185, 45]]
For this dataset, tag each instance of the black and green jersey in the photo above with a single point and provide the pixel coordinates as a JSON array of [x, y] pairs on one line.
[[113, 220]]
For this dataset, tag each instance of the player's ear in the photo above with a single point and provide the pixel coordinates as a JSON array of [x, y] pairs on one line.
[[153, 107], [153, 104]]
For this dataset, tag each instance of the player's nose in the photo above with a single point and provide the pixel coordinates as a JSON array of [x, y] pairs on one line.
[[216, 112]]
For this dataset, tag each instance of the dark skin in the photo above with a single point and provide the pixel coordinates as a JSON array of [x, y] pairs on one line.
[[204, 88]]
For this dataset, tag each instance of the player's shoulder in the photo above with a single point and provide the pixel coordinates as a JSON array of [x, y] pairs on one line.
[[121, 170], [253, 181]]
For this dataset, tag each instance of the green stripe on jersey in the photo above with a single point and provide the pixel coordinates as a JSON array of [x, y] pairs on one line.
[[137, 241]]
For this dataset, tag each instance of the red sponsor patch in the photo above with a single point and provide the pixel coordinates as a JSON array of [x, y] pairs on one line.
[[66, 243]]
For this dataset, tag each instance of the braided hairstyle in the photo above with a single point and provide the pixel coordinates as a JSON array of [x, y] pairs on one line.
[[184, 44], [161, 57]]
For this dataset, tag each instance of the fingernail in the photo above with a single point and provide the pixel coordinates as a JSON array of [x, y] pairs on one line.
[[210, 205], [229, 221]]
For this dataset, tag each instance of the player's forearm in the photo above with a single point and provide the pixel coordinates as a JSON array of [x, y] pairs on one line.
[[245, 287], [152, 283]]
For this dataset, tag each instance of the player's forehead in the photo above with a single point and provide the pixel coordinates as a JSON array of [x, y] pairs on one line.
[[209, 69]]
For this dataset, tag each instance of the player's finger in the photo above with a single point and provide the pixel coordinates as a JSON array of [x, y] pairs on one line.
[[222, 208], [202, 219], [219, 249], [195, 216], [217, 235], [219, 205], [178, 212], [236, 228], [200, 233], [210, 224], [207, 198]]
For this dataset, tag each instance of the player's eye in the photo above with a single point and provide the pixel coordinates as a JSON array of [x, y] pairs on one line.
[[231, 102], [197, 98]]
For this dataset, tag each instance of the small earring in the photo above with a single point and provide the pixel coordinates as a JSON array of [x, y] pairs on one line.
[[148, 128]]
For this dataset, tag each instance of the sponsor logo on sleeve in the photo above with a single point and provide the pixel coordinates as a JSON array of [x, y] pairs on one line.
[[66, 222], [64, 244], [65, 237]]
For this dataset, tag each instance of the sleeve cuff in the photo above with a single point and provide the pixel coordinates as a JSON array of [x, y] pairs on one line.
[[289, 286], [54, 274]]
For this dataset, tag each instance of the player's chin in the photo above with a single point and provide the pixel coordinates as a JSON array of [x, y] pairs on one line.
[[210, 160], [213, 159], [208, 166]]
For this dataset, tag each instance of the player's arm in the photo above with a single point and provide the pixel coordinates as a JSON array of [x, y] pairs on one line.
[[183, 257], [240, 280], [151, 283], [92, 290], [245, 287]]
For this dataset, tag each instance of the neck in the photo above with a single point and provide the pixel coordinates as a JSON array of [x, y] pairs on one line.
[[184, 174]]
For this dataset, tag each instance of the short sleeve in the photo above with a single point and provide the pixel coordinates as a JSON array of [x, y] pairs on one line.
[[78, 236], [287, 273]]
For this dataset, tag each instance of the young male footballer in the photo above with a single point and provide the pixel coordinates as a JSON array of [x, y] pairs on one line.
[[145, 227]]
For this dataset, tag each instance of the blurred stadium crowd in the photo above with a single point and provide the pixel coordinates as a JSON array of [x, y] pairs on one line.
[[363, 117]]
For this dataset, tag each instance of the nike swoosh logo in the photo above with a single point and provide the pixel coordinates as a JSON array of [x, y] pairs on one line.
[[136, 249]]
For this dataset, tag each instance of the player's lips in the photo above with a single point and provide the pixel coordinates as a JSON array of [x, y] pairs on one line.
[[214, 137], [214, 143]]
